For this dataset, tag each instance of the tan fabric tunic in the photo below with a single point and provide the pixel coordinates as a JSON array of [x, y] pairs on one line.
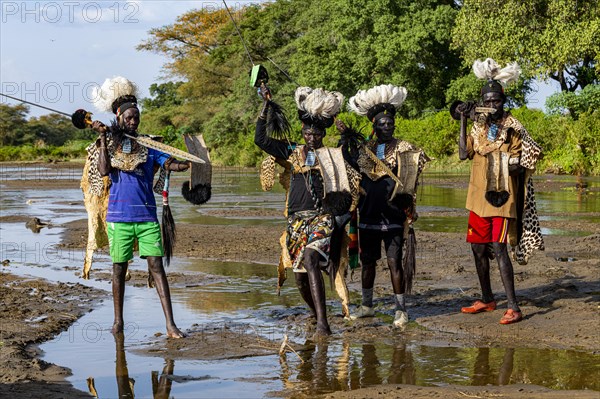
[[476, 143]]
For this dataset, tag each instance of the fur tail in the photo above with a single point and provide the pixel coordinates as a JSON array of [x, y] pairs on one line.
[[198, 194], [168, 224], [337, 203], [168, 233], [351, 139], [497, 198], [409, 261]]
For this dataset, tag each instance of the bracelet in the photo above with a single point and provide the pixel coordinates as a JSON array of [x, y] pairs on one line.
[[168, 163]]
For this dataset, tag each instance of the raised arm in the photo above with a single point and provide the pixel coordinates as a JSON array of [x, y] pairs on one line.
[[277, 148], [462, 139]]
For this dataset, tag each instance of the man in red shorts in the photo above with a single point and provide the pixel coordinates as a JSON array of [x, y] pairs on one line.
[[495, 146]]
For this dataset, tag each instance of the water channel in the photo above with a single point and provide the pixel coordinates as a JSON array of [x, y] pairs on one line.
[[244, 295]]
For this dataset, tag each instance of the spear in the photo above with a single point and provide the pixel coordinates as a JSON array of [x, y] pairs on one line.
[[83, 119]]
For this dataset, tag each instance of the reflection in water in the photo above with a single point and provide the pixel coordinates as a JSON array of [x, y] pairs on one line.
[[323, 370], [314, 370], [482, 373], [329, 367], [402, 369], [161, 385]]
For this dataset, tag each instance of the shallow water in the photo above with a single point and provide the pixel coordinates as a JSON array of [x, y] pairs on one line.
[[244, 294]]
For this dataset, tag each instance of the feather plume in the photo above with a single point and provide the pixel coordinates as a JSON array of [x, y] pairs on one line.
[[351, 139], [112, 88], [367, 99], [509, 74], [319, 103], [300, 95], [490, 70], [277, 123], [486, 70]]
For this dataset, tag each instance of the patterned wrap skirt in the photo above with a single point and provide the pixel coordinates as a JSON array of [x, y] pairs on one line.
[[309, 229]]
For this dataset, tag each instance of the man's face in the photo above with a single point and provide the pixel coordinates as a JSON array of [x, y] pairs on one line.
[[130, 120], [313, 137], [384, 128], [496, 101]]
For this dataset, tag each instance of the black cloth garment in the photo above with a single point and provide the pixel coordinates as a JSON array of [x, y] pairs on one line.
[[375, 210], [299, 197]]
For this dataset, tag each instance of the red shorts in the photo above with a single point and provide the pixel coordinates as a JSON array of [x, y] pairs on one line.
[[484, 230]]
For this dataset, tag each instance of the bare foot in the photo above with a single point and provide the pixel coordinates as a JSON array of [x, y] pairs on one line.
[[323, 330], [117, 328], [174, 332]]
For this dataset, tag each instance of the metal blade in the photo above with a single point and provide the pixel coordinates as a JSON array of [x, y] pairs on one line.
[[482, 110], [167, 149]]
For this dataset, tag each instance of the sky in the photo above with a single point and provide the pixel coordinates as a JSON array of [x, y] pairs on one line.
[[54, 52]]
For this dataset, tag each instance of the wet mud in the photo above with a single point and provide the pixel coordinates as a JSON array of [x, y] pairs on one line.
[[558, 292]]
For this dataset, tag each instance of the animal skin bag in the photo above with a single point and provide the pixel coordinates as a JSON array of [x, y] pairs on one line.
[[497, 192]]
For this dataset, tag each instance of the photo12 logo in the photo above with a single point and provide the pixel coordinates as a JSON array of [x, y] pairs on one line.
[[55, 12], [49, 92]]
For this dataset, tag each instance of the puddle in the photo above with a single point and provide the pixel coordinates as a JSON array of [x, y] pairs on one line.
[[350, 366], [566, 259], [245, 294], [324, 368]]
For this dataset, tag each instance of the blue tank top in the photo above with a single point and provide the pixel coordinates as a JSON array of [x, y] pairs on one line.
[[131, 198]]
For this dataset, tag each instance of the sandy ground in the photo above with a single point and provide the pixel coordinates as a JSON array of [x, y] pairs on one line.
[[558, 291]]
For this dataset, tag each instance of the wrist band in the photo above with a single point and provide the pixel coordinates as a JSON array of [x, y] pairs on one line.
[[168, 163]]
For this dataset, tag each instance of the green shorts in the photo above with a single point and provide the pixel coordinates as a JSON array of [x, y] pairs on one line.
[[122, 237]]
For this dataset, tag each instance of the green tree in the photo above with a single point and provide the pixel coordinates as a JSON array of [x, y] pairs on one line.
[[556, 39], [55, 129], [355, 44], [586, 100], [13, 124], [163, 95], [339, 45]]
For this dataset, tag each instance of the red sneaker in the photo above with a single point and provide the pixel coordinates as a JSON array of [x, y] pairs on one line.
[[478, 307], [511, 316]]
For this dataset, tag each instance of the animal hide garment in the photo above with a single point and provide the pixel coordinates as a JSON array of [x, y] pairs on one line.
[[198, 189], [497, 191], [338, 198], [408, 172]]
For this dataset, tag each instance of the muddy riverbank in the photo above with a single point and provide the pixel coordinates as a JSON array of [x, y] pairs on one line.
[[558, 292]]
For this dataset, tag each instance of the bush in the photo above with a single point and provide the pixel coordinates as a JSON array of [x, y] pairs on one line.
[[71, 150]]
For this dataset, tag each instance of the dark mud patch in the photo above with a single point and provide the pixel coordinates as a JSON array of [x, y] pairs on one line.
[[400, 391], [34, 311], [212, 343]]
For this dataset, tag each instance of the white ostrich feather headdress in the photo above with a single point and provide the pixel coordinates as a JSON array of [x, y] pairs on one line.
[[384, 98], [318, 107], [103, 97], [490, 70]]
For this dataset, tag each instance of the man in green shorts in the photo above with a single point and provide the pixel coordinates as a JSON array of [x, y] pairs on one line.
[[131, 212]]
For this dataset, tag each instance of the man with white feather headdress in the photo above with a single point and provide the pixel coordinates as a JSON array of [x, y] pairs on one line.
[[500, 197], [322, 188], [131, 215], [390, 168]]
